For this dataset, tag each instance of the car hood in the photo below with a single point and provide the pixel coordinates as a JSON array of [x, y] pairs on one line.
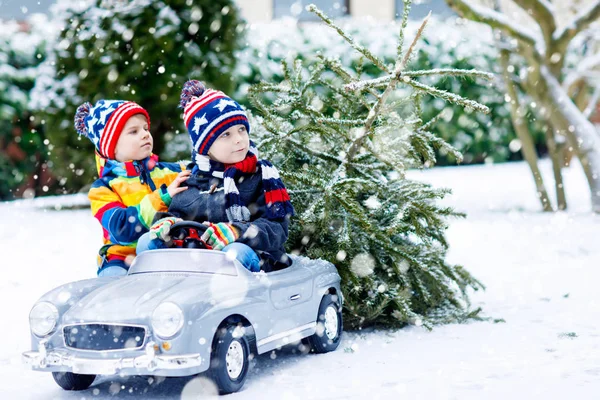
[[133, 298]]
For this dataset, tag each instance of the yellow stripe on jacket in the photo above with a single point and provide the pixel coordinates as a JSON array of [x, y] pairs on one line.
[[125, 200]]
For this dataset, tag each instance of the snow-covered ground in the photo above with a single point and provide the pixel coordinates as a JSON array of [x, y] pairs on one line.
[[541, 272]]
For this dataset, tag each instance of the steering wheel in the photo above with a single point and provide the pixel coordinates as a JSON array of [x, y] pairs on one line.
[[188, 235]]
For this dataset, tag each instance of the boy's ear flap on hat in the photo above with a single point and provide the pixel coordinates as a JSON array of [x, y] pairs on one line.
[[83, 111], [192, 88]]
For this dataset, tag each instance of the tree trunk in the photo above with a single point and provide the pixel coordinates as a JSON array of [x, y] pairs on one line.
[[566, 117], [557, 163], [527, 145]]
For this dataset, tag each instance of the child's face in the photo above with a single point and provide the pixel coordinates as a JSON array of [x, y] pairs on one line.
[[135, 141], [231, 146]]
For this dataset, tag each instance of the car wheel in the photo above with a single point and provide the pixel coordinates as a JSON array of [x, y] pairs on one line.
[[229, 361], [71, 381], [329, 325]]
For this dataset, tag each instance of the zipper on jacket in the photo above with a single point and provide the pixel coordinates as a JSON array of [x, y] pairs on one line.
[[145, 177]]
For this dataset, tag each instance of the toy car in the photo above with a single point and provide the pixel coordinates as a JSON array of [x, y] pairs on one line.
[[181, 312]]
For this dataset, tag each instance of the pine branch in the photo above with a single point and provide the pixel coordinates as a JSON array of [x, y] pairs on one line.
[[336, 67], [383, 81], [343, 93], [401, 65], [341, 122], [429, 124], [405, 314], [441, 144], [403, 25], [450, 97], [363, 50], [316, 153], [470, 73], [374, 112]]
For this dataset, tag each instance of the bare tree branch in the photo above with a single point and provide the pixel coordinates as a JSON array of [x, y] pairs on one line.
[[578, 24], [580, 72], [542, 12], [492, 18]]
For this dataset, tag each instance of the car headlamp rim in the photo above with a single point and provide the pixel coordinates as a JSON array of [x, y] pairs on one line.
[[175, 311], [52, 313]]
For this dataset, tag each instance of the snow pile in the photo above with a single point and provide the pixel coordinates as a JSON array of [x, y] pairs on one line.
[[540, 271]]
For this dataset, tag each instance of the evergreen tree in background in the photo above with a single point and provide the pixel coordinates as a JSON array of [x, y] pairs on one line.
[[343, 146], [141, 50], [22, 147]]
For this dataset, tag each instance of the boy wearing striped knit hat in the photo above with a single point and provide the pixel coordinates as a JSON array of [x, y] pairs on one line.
[[242, 200], [132, 185]]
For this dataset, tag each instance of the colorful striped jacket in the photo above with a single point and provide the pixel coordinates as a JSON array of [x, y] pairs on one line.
[[124, 199]]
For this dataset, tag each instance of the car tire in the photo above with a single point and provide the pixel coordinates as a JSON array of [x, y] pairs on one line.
[[329, 325], [71, 381], [230, 358]]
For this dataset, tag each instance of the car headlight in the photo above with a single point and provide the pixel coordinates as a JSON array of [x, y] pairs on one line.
[[43, 318], [167, 320]]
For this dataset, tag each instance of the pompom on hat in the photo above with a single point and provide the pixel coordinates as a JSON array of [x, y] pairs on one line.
[[102, 123], [208, 113]]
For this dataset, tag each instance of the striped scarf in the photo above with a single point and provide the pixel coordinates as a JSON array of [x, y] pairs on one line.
[[276, 196]]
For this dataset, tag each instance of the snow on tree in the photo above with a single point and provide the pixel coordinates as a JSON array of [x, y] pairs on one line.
[[544, 47], [446, 43], [343, 145], [22, 144], [142, 50]]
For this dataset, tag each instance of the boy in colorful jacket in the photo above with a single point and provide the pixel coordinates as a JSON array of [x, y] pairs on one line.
[[132, 185], [241, 200]]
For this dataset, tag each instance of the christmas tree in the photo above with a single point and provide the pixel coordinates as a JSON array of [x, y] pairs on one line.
[[343, 146]]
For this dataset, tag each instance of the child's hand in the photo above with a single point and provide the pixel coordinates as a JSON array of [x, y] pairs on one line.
[[220, 235], [162, 227], [174, 188]]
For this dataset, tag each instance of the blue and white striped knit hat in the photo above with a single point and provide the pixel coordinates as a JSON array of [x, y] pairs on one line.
[[208, 113], [104, 122]]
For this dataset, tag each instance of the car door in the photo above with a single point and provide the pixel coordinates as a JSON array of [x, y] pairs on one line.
[[290, 291]]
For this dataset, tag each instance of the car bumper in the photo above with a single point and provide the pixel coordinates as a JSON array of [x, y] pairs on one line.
[[147, 363]]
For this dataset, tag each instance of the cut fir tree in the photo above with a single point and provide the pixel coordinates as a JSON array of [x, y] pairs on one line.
[[343, 146]]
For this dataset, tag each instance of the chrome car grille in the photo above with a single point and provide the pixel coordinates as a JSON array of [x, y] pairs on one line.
[[104, 337]]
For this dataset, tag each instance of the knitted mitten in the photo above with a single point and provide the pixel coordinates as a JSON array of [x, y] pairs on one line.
[[220, 235], [162, 227]]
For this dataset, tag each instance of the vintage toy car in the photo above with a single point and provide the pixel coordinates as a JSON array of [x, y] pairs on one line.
[[181, 312]]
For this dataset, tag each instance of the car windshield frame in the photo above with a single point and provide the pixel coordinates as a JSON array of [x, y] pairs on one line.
[[195, 261]]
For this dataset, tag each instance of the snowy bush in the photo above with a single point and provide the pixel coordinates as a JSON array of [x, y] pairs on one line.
[[142, 50]]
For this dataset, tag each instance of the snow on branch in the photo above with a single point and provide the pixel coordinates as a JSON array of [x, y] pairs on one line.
[[543, 13], [451, 97], [582, 69], [591, 107], [342, 122], [494, 19], [374, 112], [400, 65], [578, 24], [376, 83], [403, 25]]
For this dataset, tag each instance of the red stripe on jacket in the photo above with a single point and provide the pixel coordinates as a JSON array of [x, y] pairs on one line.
[[107, 207]]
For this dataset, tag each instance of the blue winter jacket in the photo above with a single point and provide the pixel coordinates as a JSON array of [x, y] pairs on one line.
[[267, 237]]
